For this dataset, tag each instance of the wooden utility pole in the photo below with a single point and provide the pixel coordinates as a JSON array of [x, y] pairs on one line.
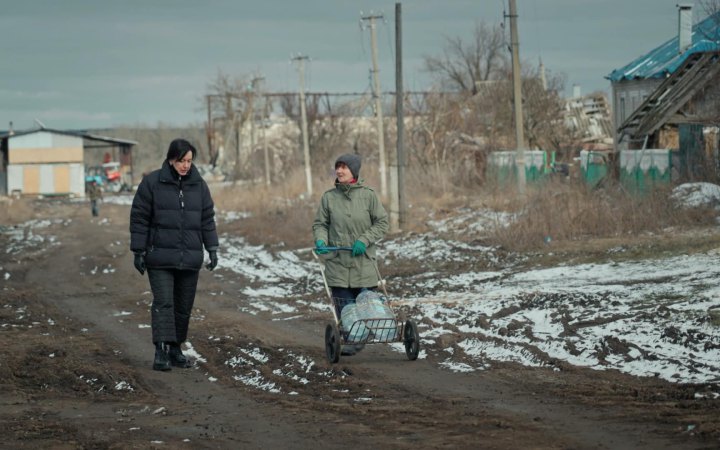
[[210, 131], [237, 151], [378, 102], [517, 95], [256, 92], [266, 152], [300, 59], [251, 103], [397, 170]]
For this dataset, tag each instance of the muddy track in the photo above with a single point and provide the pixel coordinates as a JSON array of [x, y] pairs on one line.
[[374, 399]]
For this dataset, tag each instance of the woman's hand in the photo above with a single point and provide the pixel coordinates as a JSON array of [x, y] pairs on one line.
[[139, 262], [320, 247], [358, 248], [213, 260]]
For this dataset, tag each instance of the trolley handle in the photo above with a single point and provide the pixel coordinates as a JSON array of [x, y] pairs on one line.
[[381, 280], [332, 249]]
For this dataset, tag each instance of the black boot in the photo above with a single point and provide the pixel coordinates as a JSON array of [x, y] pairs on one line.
[[162, 360], [177, 358]]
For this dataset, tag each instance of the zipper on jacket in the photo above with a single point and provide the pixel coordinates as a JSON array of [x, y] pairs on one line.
[[182, 219]]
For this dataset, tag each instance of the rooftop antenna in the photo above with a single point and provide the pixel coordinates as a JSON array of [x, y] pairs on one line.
[[42, 125]]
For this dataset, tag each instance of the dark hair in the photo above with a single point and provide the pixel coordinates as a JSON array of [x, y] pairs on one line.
[[179, 148]]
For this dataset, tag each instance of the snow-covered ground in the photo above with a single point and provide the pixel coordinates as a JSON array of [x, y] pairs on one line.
[[644, 317]]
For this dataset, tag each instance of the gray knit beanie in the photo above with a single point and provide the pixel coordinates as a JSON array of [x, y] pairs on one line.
[[352, 161]]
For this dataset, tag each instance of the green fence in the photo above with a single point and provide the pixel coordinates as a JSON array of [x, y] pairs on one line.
[[594, 166], [501, 167], [641, 170]]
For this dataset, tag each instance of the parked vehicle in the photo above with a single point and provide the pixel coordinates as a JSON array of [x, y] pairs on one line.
[[108, 176]]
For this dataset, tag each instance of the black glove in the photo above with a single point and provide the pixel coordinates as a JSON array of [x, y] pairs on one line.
[[140, 262], [213, 260]]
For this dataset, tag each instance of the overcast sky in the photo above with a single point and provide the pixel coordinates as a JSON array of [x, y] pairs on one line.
[[83, 64]]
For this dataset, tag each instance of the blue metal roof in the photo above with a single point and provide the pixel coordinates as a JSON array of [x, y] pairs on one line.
[[665, 59]]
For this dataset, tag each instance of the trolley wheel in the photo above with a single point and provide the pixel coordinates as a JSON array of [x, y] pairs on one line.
[[411, 339], [332, 343]]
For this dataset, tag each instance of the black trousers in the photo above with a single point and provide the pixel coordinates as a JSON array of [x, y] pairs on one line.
[[173, 297]]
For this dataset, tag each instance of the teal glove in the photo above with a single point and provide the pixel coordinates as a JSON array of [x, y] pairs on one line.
[[319, 247], [358, 248]]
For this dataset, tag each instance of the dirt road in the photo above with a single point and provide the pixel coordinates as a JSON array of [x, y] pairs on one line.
[[76, 371]]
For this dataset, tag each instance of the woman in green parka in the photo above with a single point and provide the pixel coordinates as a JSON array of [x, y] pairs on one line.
[[350, 215]]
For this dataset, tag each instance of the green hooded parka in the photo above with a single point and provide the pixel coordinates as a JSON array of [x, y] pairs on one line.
[[347, 213]]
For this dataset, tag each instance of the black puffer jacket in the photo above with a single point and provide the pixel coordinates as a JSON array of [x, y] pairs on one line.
[[172, 218]]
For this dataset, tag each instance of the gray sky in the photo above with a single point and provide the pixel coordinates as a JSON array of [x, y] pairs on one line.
[[100, 63]]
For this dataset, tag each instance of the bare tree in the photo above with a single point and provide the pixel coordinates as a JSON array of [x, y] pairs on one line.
[[330, 126], [453, 133], [543, 109], [463, 64], [447, 139], [229, 103], [709, 7], [544, 112]]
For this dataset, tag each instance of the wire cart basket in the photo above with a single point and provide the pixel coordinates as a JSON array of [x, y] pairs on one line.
[[367, 329]]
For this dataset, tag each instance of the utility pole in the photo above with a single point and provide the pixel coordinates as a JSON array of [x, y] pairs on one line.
[[266, 153], [255, 86], [210, 132], [378, 102], [300, 59], [251, 107], [517, 95], [237, 151], [397, 170]]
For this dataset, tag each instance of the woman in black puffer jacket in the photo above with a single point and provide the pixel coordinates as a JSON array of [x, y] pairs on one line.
[[172, 218]]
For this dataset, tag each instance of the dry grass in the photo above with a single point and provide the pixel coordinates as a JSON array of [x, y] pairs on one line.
[[280, 213], [558, 211], [15, 210]]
